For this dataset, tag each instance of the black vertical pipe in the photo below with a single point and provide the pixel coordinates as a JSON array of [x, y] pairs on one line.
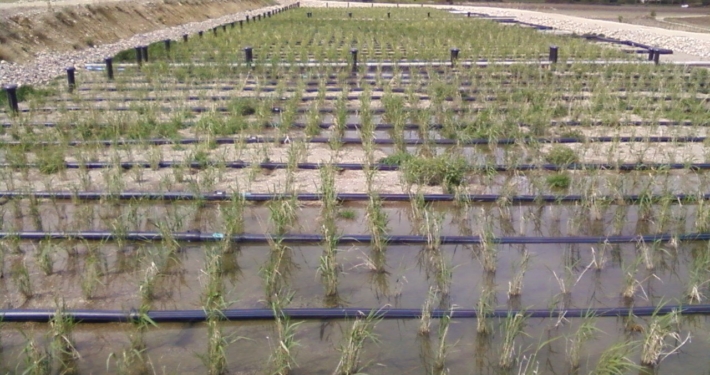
[[139, 55], [233, 24], [145, 53], [656, 56], [353, 51], [454, 56], [109, 68], [167, 46], [224, 27], [200, 33], [214, 31], [651, 53], [248, 55], [468, 14], [247, 19], [11, 91], [428, 14], [350, 15], [241, 24], [71, 78], [388, 14], [553, 54], [184, 38]]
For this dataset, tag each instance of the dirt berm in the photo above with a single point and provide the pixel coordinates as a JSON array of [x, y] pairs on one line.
[[25, 32]]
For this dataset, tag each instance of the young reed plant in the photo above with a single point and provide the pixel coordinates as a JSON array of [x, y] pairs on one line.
[[513, 327], [353, 342], [282, 359], [575, 344], [660, 330], [62, 345]]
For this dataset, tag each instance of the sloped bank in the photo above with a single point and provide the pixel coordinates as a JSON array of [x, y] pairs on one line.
[[78, 27], [51, 60]]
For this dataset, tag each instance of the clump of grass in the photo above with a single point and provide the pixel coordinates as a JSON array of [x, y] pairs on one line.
[[559, 181], [561, 155], [353, 342], [347, 214], [445, 170], [50, 160], [615, 360], [398, 158]]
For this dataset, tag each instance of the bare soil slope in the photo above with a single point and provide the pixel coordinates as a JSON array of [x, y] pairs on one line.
[[25, 32]]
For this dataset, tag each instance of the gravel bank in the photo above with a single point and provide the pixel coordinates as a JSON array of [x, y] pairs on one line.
[[695, 45], [48, 65]]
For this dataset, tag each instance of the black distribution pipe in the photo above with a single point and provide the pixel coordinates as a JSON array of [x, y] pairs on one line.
[[11, 91], [315, 313], [214, 31], [356, 126], [247, 19], [222, 196], [480, 168], [200, 33], [71, 78], [241, 23], [357, 141], [145, 53], [109, 68], [553, 54], [167, 46], [185, 38], [345, 239]]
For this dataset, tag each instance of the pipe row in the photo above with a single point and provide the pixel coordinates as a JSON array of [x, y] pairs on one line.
[[346, 239], [481, 168], [196, 316], [222, 196]]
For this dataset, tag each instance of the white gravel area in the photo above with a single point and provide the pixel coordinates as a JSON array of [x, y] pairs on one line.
[[49, 64], [691, 46]]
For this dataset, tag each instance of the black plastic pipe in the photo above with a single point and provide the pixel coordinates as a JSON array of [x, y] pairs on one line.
[[167, 46], [344, 239], [145, 53], [479, 168], [11, 91], [200, 33], [195, 316], [71, 78], [109, 68], [248, 55], [139, 55], [356, 126], [656, 56], [221, 196], [353, 52], [454, 56], [185, 38], [357, 141]]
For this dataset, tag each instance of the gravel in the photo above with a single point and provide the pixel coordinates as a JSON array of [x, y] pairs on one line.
[[49, 65]]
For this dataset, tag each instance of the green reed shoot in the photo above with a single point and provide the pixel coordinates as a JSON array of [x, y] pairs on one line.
[[353, 342]]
